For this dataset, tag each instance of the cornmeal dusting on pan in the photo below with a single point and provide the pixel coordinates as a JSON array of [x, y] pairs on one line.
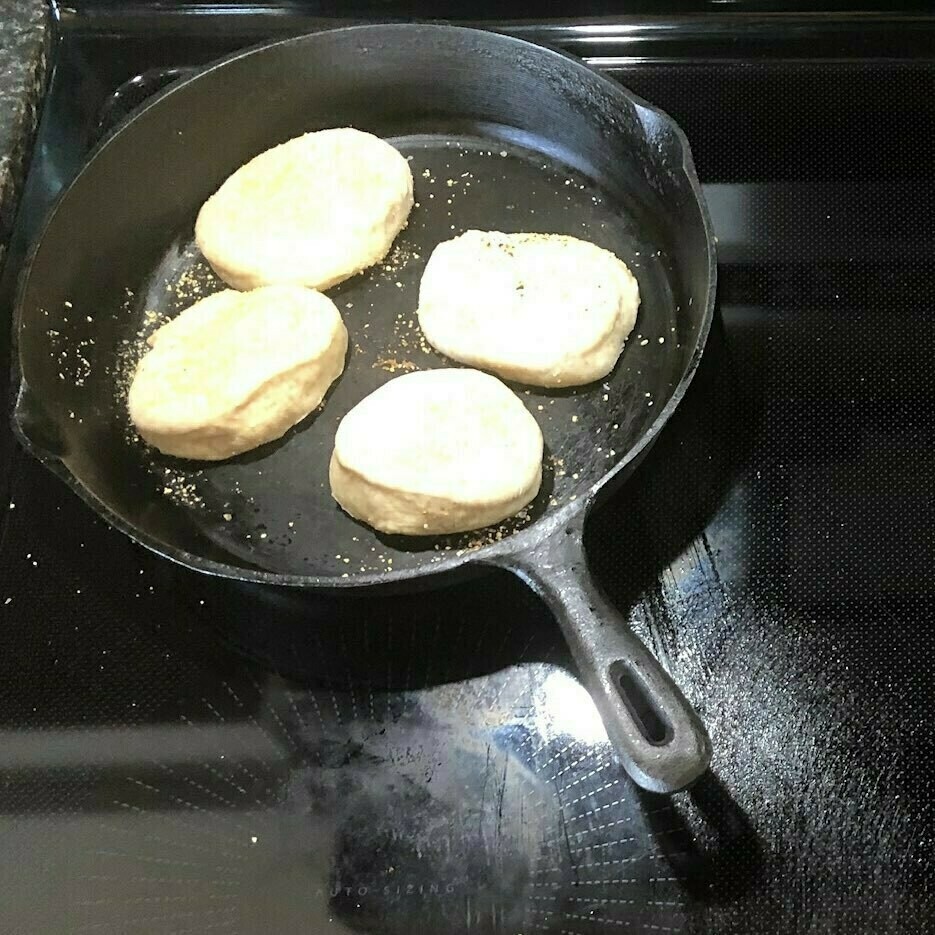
[[401, 255], [557, 464], [392, 365], [480, 538], [407, 339], [181, 488]]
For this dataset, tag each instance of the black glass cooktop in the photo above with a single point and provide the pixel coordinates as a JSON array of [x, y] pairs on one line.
[[430, 765]]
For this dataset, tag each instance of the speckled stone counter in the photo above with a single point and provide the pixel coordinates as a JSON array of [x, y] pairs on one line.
[[25, 41]]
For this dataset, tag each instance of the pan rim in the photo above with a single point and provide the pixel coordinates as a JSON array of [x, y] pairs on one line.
[[497, 553]]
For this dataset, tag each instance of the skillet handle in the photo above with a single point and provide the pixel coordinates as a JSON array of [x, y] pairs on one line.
[[659, 739]]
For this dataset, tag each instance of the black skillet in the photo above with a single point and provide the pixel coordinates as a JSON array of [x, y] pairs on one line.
[[502, 135]]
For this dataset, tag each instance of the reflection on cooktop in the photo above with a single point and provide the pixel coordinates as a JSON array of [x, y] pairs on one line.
[[486, 805]]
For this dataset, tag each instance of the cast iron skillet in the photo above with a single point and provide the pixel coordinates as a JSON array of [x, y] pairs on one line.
[[502, 135]]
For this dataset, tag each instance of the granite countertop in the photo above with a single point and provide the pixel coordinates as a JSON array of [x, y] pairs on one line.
[[25, 43]]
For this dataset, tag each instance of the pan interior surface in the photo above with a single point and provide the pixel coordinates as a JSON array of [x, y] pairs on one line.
[[272, 508]]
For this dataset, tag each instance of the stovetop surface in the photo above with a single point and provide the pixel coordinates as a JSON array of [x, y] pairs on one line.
[[430, 764]]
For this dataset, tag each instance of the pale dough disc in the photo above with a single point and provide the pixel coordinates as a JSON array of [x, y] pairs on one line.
[[543, 309], [312, 211], [436, 452], [236, 370]]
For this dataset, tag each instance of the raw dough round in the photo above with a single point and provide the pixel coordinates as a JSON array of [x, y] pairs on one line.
[[311, 212], [543, 309], [437, 452], [236, 370]]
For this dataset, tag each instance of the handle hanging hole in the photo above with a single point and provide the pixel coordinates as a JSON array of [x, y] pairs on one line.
[[651, 722]]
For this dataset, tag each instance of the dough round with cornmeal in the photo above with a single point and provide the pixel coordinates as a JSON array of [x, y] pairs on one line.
[[436, 452], [544, 309], [311, 212], [236, 370]]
